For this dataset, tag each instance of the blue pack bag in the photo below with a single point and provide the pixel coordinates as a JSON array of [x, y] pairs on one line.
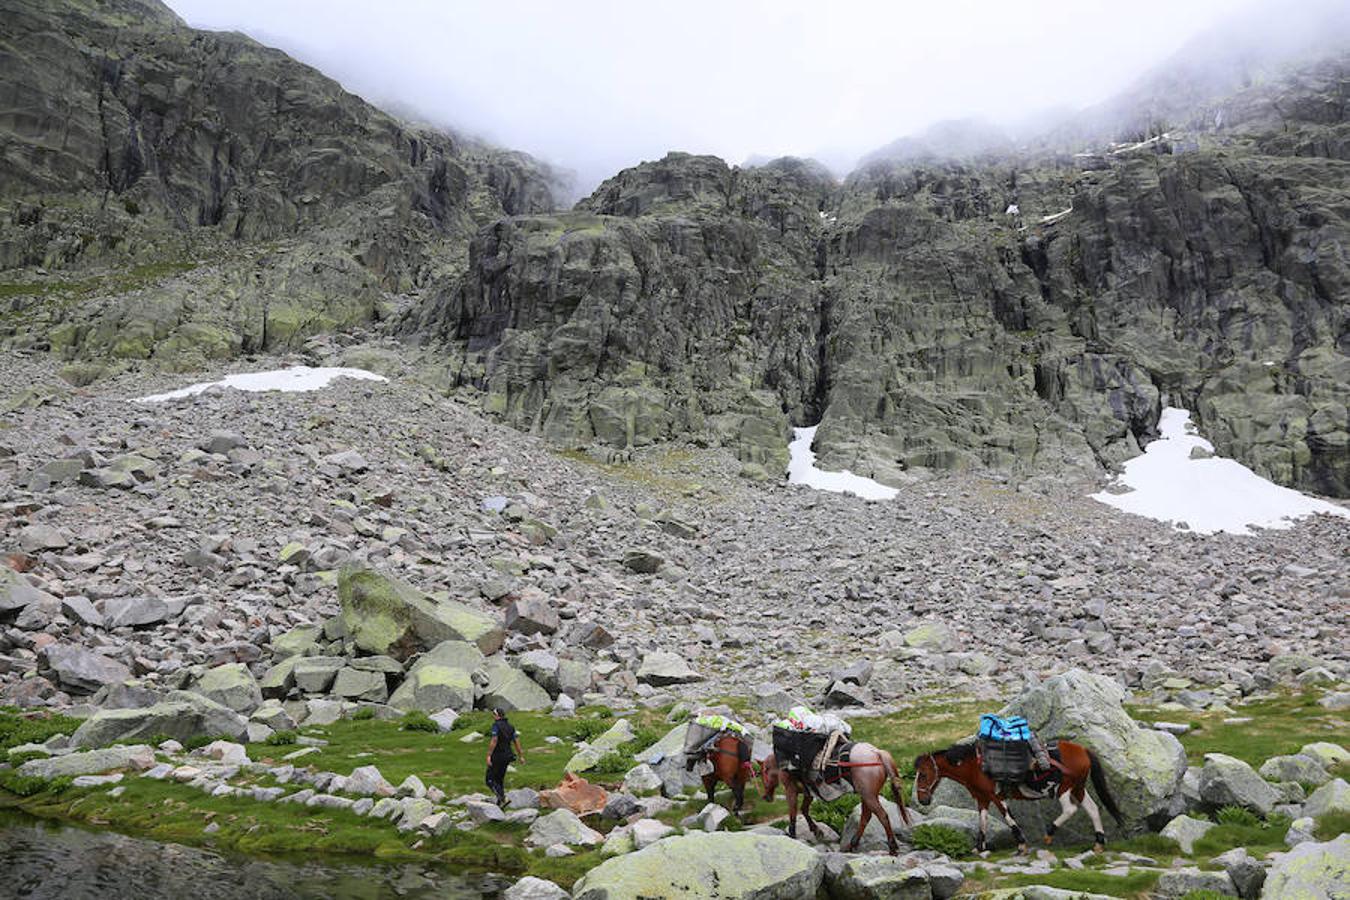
[[1013, 728]]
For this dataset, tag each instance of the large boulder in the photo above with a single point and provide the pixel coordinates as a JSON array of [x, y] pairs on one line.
[[231, 685], [661, 667], [299, 641], [1226, 781], [724, 866], [441, 678], [134, 612], [1311, 871], [1332, 797], [182, 716], [16, 592], [83, 671], [666, 759], [1143, 767], [510, 689], [562, 826], [879, 878], [388, 617], [1298, 767], [91, 762]]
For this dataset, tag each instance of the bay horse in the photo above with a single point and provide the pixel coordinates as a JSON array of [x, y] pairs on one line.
[[1077, 764], [868, 771], [727, 768]]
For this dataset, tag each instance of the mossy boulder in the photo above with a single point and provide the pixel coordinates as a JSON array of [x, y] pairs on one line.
[[388, 617], [300, 641], [718, 866], [442, 677], [511, 689], [1311, 871], [231, 685], [1143, 767], [182, 716]]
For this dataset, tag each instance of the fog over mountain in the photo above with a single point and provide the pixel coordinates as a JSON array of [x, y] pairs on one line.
[[598, 86]]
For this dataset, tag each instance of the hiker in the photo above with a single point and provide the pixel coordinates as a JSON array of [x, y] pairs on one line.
[[499, 754]]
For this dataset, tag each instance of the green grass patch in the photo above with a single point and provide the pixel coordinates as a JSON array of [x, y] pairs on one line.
[[1332, 826], [943, 838], [1280, 725], [1136, 884], [281, 739], [414, 720], [32, 728], [1258, 837]]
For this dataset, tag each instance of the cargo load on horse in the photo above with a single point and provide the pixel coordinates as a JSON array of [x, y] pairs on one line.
[[1008, 748], [704, 733], [814, 746]]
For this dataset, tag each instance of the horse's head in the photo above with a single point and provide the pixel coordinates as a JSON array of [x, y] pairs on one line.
[[926, 777], [769, 776]]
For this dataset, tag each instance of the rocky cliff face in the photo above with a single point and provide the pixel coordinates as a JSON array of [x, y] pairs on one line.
[[173, 194], [926, 324]]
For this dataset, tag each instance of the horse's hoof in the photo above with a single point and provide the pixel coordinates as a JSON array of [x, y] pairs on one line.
[[1098, 848], [895, 851], [1021, 849], [1049, 840]]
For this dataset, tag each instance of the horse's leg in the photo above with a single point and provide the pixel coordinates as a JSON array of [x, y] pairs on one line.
[[710, 785], [1099, 833], [874, 804], [790, 789], [738, 791], [1012, 823], [1068, 809], [863, 819], [984, 826], [806, 814]]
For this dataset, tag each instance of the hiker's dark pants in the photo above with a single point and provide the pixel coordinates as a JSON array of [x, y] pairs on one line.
[[496, 774]]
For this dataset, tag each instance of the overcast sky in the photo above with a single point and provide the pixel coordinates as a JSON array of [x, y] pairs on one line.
[[597, 85]]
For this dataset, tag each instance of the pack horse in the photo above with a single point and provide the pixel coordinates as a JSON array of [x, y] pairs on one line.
[[993, 769], [812, 758]]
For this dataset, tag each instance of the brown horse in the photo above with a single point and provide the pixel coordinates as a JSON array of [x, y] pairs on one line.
[[727, 768], [961, 763], [868, 771]]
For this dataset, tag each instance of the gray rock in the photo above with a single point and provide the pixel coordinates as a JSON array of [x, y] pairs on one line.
[[1246, 872], [232, 686], [79, 609], [183, 715], [16, 592], [878, 877], [1226, 781], [1311, 870], [644, 562], [1186, 831], [562, 827], [315, 674], [703, 865], [357, 684], [660, 668], [510, 689], [222, 442], [140, 757], [134, 612], [531, 888], [1177, 883], [37, 538], [83, 671], [440, 679], [1332, 797], [532, 615]]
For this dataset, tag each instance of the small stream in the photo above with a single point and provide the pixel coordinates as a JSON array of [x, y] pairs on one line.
[[44, 861]]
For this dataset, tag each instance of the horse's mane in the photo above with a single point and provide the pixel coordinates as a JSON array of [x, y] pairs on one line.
[[955, 754]]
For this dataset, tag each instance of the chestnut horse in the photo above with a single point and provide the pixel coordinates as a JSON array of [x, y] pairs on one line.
[[868, 771], [961, 763], [727, 767]]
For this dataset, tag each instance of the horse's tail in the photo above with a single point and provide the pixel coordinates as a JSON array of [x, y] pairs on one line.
[[1099, 784], [897, 784]]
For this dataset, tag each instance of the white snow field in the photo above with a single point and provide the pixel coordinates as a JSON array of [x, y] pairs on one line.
[[802, 470], [1205, 495], [294, 379]]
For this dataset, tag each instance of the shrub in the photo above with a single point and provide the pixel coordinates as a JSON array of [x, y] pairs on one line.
[[28, 785], [363, 714], [281, 738], [18, 759], [1236, 815], [417, 720], [614, 763], [942, 838], [18, 728], [835, 812], [198, 741], [585, 730]]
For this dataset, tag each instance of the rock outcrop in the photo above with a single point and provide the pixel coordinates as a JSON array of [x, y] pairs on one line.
[[697, 866]]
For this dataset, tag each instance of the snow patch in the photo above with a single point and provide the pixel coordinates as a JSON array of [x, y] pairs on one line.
[[292, 380], [1206, 495], [802, 470]]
